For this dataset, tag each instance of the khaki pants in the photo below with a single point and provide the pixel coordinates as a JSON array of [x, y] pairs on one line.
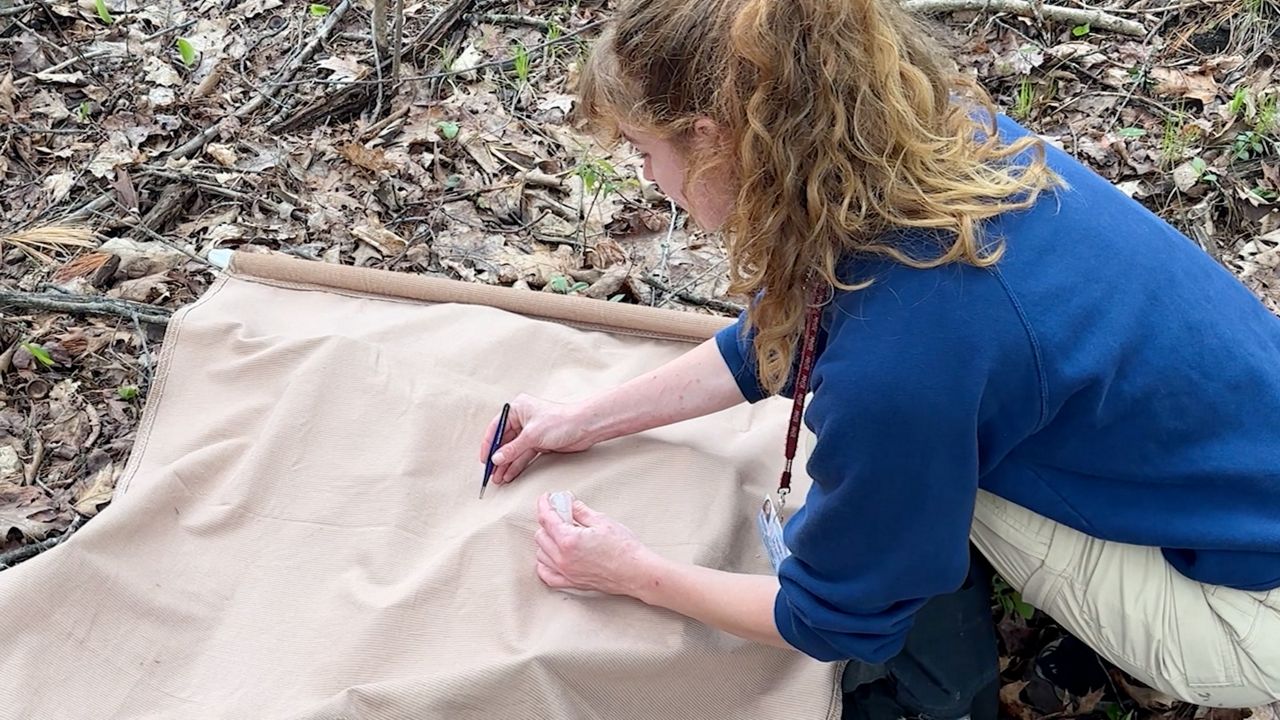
[[1204, 644]]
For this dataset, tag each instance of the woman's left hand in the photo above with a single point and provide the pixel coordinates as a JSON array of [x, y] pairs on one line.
[[596, 553]]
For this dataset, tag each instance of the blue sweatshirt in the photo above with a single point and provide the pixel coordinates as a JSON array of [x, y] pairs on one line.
[[1107, 374]]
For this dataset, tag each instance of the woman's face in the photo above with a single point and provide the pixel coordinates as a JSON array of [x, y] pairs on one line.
[[710, 200]]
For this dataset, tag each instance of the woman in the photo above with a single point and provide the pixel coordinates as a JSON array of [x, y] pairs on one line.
[[1008, 350]]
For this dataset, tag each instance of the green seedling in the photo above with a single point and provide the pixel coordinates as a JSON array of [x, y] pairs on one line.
[[1132, 132], [1081, 30], [1239, 102], [1024, 100], [1249, 144], [187, 51], [83, 111], [1268, 120], [448, 129], [318, 10], [127, 392], [40, 354], [1010, 600], [521, 59], [103, 12], [1202, 171], [559, 284]]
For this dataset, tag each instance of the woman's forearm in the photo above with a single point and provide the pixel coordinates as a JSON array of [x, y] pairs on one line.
[[733, 602], [695, 384]]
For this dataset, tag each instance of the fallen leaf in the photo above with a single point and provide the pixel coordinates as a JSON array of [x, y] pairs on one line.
[[48, 104], [97, 267], [344, 68], [7, 93], [138, 259], [161, 73], [373, 159], [161, 97], [1011, 701], [466, 60], [11, 468], [1172, 82], [26, 509], [88, 495], [58, 185], [143, 289], [387, 243], [224, 154], [116, 151]]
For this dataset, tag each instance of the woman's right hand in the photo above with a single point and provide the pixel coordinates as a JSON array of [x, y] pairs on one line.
[[534, 426]]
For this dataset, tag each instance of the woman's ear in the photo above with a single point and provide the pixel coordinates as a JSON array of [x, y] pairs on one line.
[[706, 130]]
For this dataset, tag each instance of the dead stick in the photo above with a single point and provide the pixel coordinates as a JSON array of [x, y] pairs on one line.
[[268, 92], [26, 552], [718, 305], [1095, 19], [86, 306], [37, 457]]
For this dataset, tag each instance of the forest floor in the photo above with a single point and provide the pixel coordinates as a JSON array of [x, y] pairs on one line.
[[139, 136]]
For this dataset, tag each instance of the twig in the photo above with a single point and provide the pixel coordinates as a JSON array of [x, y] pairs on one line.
[[1095, 19], [502, 19], [86, 306], [267, 93], [94, 54], [717, 305], [15, 10], [26, 552], [37, 458], [6, 358]]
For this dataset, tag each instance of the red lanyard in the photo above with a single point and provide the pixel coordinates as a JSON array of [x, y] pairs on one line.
[[808, 349]]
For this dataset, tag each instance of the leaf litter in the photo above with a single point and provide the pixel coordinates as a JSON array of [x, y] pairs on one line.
[[129, 155]]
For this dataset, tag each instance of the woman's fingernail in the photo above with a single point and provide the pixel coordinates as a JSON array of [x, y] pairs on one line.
[[498, 458]]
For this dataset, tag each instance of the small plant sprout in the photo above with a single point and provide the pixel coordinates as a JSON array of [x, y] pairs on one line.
[[1268, 120], [103, 13], [521, 59], [448, 129], [1132, 133], [127, 392], [1024, 100], [318, 10], [1202, 171], [1249, 144], [1239, 102], [39, 353], [83, 111], [187, 51], [1081, 30]]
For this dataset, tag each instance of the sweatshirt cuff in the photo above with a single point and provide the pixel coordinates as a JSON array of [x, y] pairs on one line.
[[743, 369]]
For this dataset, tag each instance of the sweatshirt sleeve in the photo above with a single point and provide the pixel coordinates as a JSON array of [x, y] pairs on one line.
[[737, 347], [903, 395]]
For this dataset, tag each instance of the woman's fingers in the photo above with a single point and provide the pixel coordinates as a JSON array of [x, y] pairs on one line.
[[517, 466], [548, 547], [488, 440], [551, 578]]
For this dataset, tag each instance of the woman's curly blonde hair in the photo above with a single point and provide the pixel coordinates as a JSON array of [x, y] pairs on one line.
[[842, 121]]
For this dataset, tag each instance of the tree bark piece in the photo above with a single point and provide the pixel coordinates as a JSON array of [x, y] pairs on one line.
[[1095, 19], [86, 306]]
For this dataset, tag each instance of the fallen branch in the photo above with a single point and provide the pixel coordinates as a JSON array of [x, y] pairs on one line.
[[86, 306], [26, 552], [351, 96], [1095, 19], [717, 305]]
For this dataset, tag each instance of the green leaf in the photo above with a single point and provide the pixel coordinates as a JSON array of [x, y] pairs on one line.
[[187, 51], [127, 392], [1132, 132], [83, 110], [318, 10], [39, 353], [103, 12], [1198, 164], [448, 129], [453, 181], [1081, 30], [1024, 609], [579, 287], [617, 298], [560, 284]]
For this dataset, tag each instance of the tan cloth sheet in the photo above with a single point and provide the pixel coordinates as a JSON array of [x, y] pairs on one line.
[[297, 534]]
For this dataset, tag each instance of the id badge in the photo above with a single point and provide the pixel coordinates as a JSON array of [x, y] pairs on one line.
[[770, 527]]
